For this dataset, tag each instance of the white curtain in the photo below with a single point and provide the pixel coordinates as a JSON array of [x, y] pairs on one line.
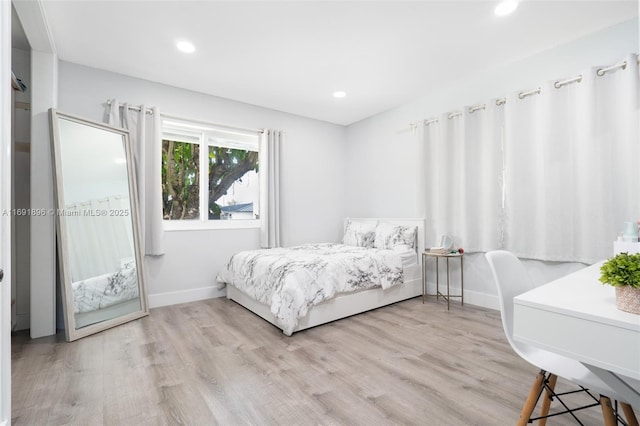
[[269, 165], [145, 131], [443, 142], [571, 164], [463, 178], [99, 246]]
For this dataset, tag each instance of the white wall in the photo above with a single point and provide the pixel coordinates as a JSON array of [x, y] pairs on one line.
[[43, 229], [313, 176], [383, 155], [376, 174]]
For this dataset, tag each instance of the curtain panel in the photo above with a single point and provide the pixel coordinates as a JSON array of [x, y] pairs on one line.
[[571, 157], [145, 132], [270, 169], [551, 175], [463, 178]]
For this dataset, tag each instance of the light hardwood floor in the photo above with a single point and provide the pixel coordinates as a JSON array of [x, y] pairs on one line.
[[214, 362]]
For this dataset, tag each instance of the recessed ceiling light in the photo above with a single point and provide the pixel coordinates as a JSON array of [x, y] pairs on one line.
[[505, 7], [185, 46], [339, 94]]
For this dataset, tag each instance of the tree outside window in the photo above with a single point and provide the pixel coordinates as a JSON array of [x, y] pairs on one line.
[[180, 180], [211, 171]]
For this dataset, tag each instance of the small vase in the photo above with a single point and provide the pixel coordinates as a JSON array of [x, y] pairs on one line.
[[628, 299]]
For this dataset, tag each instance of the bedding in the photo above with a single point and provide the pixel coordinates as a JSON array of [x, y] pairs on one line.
[[291, 280], [359, 234], [105, 290], [408, 256], [389, 236]]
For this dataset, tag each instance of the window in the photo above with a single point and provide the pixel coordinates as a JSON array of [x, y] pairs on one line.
[[210, 176]]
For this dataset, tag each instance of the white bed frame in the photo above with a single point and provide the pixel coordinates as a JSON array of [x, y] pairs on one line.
[[345, 305]]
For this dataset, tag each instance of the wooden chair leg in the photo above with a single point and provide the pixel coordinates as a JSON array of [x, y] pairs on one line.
[[607, 411], [546, 402], [532, 399], [629, 414]]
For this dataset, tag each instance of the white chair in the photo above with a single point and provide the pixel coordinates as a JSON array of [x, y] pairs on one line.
[[511, 280]]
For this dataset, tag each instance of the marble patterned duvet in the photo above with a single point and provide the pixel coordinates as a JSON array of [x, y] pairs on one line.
[[105, 290], [290, 280]]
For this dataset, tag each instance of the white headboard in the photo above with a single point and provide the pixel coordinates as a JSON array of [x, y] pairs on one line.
[[417, 222]]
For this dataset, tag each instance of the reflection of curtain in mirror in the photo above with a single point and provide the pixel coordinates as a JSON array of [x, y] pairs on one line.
[[100, 236]]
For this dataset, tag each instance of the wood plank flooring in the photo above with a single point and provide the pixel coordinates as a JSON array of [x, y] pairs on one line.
[[214, 362]]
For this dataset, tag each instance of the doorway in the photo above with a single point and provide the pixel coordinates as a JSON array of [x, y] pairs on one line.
[[21, 170]]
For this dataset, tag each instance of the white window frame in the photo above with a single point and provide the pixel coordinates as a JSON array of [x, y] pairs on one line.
[[207, 133]]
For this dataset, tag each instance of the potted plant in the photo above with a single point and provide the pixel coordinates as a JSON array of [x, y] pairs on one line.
[[623, 272]]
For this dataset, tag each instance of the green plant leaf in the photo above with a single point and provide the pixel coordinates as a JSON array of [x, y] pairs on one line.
[[622, 269]]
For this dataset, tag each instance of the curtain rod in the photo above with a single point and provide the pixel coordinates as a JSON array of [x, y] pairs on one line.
[[603, 71], [175, 117], [132, 107], [558, 84], [476, 108], [523, 95]]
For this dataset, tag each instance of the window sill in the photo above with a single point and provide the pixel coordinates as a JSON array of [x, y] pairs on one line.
[[198, 225]]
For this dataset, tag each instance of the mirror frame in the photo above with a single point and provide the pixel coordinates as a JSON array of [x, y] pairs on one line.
[[71, 333]]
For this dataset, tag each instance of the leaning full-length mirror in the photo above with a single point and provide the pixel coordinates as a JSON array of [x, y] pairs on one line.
[[98, 234]]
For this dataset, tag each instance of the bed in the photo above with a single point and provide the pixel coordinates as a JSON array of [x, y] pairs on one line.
[[377, 265]]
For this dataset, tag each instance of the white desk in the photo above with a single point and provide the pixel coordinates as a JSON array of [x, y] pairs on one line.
[[576, 316]]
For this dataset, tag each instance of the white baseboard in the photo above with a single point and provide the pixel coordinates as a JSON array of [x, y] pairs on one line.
[[483, 300], [475, 298], [184, 296]]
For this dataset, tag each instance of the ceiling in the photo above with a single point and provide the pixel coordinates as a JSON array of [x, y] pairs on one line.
[[291, 56]]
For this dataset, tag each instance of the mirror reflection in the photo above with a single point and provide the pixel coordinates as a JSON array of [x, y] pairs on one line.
[[102, 279]]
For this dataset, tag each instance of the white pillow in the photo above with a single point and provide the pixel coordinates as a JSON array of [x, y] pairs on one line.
[[389, 236], [360, 234]]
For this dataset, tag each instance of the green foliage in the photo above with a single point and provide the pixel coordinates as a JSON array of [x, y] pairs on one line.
[[181, 176], [214, 211], [180, 180], [622, 269], [227, 166]]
